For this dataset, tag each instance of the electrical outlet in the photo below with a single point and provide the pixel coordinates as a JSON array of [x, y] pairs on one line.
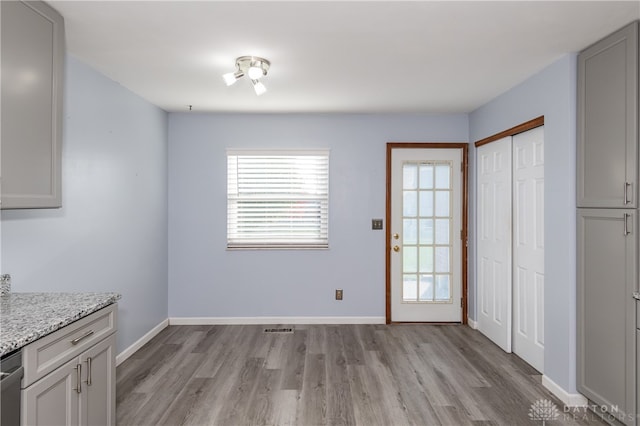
[[376, 224], [338, 294]]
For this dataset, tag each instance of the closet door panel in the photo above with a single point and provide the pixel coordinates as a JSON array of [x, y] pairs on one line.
[[528, 247], [494, 245]]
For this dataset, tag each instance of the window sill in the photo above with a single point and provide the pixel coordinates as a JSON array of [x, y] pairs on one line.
[[277, 247]]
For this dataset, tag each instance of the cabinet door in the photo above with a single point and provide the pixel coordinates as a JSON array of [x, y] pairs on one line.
[[53, 400], [608, 121], [31, 95], [607, 276], [98, 404]]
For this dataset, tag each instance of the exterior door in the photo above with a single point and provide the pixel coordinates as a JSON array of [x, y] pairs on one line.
[[425, 257], [494, 249], [528, 247]]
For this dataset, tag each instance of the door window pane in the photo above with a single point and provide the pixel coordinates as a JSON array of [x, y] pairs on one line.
[[410, 231], [426, 231], [409, 176], [442, 203], [442, 231], [443, 287], [442, 259], [426, 288], [426, 259], [426, 176], [409, 288], [443, 175], [426, 203], [410, 259], [410, 203]]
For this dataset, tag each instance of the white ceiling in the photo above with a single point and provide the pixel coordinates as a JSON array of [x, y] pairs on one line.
[[332, 56]]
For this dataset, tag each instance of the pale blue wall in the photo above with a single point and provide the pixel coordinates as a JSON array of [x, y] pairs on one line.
[[111, 233], [552, 93], [207, 280]]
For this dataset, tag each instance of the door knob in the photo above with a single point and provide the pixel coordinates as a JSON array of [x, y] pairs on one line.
[[396, 248]]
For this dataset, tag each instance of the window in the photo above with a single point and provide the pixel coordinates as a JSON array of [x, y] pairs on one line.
[[277, 199]]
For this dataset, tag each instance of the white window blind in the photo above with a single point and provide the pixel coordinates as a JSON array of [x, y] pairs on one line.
[[277, 199]]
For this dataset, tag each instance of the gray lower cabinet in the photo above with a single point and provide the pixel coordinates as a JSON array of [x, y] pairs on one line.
[[607, 278], [607, 143], [70, 374], [51, 401], [32, 65], [98, 401], [81, 392]]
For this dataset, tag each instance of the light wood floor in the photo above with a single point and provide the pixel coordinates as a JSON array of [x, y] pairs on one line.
[[329, 375]]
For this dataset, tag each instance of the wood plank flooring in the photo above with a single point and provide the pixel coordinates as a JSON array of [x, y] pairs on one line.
[[329, 375]]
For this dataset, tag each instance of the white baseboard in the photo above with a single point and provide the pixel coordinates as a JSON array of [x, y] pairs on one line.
[[473, 324], [274, 320], [569, 399], [122, 356]]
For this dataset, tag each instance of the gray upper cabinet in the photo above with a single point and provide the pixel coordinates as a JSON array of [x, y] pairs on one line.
[[32, 46], [608, 122]]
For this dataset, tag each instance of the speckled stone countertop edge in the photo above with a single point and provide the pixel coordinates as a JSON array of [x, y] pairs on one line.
[[27, 317]]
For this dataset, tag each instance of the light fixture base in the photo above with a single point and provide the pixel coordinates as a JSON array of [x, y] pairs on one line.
[[243, 63]]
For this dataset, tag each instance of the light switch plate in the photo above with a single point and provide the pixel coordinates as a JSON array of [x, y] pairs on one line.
[[376, 224]]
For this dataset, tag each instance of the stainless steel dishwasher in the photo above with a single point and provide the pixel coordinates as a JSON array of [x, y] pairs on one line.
[[11, 373]]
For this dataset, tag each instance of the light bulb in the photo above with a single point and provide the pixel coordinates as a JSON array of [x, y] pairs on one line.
[[255, 72], [258, 87], [232, 77], [229, 78]]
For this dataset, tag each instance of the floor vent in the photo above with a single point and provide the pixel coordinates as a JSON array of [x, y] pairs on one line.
[[279, 330]]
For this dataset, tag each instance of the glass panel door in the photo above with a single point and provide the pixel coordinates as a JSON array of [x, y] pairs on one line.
[[425, 234]]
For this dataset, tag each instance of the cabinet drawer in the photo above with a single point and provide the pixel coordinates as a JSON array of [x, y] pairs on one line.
[[48, 353]]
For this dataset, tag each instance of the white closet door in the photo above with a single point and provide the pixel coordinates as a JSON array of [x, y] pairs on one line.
[[528, 247], [494, 241]]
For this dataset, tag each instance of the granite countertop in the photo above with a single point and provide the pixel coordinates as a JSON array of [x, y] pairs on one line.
[[26, 317]]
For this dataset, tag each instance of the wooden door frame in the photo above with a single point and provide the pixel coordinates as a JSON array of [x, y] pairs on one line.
[[520, 128], [465, 215]]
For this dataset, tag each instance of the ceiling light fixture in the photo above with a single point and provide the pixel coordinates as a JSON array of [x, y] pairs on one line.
[[253, 67]]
